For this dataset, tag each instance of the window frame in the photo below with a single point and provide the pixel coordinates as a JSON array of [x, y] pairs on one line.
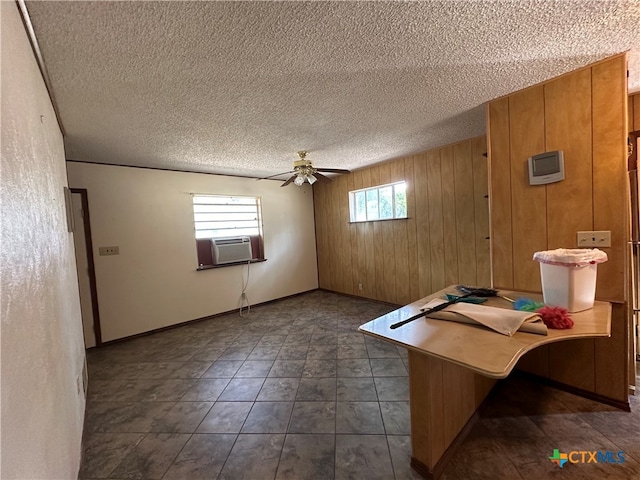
[[354, 214], [204, 253]]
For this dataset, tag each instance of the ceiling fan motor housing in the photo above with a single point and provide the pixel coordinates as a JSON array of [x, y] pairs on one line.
[[302, 165]]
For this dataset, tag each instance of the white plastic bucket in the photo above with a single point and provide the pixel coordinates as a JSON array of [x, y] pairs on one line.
[[569, 277]]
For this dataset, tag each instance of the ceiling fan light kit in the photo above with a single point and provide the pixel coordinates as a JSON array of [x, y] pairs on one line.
[[301, 178], [304, 171]]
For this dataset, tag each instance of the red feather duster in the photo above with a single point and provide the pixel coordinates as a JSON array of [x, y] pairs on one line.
[[555, 317]]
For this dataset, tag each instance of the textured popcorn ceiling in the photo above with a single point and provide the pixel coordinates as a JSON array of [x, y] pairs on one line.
[[239, 87]]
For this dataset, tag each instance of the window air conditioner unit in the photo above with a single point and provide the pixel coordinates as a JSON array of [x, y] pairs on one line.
[[231, 250]]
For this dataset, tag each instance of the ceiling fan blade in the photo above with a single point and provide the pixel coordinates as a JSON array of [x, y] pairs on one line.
[[289, 181], [332, 170], [322, 178], [276, 175]]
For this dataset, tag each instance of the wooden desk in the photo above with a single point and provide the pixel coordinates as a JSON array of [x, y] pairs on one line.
[[453, 366]]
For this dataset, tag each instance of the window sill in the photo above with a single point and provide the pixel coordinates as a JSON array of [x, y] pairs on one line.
[[211, 267], [378, 220]]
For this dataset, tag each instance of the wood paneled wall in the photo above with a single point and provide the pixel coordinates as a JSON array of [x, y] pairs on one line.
[[584, 114], [634, 112], [444, 241]]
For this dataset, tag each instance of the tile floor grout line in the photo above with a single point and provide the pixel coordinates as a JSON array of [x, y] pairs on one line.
[[177, 455], [235, 440]]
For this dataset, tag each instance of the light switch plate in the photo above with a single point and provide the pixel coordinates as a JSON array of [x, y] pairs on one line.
[[597, 238], [109, 251]]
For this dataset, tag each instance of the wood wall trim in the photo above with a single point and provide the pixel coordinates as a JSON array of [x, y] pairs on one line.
[[634, 112]]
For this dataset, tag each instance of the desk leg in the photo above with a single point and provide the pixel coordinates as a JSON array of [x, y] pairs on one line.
[[443, 398]]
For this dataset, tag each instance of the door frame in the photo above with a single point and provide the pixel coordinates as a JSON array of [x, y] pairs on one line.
[[632, 162], [84, 198]]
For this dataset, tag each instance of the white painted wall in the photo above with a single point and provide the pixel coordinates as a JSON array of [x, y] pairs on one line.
[[42, 344], [148, 214]]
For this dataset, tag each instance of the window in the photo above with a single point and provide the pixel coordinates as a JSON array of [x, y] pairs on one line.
[[383, 202], [226, 217]]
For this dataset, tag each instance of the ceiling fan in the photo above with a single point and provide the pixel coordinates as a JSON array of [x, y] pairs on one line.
[[304, 171]]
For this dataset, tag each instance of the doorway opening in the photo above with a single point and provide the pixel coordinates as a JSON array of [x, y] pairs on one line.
[[86, 268]]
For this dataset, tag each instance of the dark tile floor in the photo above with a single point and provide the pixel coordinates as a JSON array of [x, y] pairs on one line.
[[293, 391]]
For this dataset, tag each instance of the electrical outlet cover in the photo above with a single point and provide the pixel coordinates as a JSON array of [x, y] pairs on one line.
[[596, 238]]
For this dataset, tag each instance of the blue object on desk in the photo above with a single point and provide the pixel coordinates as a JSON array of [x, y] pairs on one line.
[[465, 299]]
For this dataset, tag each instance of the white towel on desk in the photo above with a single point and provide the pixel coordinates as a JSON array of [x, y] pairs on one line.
[[503, 321]]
